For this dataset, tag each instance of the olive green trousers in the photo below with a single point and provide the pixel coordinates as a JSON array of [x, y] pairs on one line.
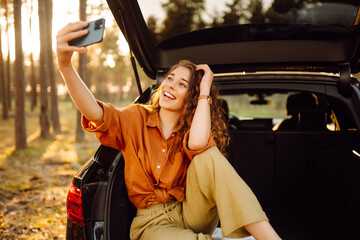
[[213, 190]]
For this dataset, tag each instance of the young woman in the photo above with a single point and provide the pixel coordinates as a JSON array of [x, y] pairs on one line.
[[175, 174]]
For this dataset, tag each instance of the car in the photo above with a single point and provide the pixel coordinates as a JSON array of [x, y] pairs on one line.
[[286, 74]]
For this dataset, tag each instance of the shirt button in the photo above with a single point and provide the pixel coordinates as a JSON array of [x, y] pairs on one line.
[[158, 166], [163, 150]]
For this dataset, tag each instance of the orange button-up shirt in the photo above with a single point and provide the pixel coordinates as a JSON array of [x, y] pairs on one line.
[[150, 176]]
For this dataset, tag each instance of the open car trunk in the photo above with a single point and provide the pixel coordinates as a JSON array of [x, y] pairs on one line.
[[307, 180]]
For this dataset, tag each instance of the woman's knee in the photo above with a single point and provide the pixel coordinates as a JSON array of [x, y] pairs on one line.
[[210, 157]]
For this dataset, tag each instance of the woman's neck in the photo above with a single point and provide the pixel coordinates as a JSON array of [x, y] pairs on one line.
[[168, 120]]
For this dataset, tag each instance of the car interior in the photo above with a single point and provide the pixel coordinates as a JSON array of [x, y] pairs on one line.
[[305, 163], [297, 157]]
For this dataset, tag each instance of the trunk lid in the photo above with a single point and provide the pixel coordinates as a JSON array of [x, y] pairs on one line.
[[241, 35]]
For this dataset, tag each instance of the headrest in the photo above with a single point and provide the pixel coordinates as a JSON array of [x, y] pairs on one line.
[[225, 108], [300, 101]]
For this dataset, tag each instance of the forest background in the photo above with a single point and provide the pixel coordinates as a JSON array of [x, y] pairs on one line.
[[42, 143]]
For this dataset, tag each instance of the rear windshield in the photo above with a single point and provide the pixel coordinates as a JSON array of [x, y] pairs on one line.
[[285, 111], [170, 18]]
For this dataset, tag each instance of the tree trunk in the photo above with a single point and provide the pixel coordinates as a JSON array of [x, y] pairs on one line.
[[82, 73], [2, 74], [44, 113], [3, 89], [54, 100], [33, 95], [20, 129], [8, 61], [3, 84]]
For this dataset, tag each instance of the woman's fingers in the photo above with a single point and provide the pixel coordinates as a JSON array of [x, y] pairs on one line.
[[72, 27], [71, 49], [71, 31], [207, 78], [71, 35], [203, 67], [67, 33], [206, 69]]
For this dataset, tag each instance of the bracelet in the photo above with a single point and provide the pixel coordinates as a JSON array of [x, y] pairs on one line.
[[207, 97]]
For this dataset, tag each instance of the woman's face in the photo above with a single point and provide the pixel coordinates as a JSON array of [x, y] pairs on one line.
[[174, 89]]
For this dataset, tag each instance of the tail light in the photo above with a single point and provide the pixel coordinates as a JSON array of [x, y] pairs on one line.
[[74, 205]]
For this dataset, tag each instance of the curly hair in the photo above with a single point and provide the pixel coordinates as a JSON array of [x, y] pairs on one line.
[[218, 122]]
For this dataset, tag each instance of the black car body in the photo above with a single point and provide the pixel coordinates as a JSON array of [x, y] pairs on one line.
[[307, 177]]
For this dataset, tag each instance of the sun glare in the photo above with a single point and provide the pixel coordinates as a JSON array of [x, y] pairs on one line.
[[64, 11]]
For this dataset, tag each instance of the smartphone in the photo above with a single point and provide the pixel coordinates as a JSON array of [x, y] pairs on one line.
[[95, 34]]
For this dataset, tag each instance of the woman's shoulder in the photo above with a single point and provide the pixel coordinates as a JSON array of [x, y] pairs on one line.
[[136, 111], [138, 108]]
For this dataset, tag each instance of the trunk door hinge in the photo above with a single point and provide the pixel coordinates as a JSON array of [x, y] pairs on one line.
[[344, 85]]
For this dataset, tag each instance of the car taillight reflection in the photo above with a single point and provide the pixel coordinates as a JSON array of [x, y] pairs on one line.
[[74, 205]]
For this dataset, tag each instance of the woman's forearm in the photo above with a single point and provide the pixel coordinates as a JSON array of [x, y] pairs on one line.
[[79, 92], [81, 95], [201, 126]]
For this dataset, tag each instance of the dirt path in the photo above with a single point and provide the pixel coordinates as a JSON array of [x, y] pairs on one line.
[[34, 182]]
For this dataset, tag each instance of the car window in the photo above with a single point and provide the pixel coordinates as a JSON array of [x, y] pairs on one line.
[[249, 106], [281, 111], [170, 18]]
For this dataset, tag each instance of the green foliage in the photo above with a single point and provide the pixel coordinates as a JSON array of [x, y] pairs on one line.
[[181, 16], [256, 8], [110, 74], [234, 13], [186, 16]]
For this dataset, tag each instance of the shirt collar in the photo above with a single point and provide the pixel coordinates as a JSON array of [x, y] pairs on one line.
[[153, 120]]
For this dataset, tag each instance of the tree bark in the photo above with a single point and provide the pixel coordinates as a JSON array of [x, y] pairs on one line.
[[51, 75], [20, 129], [82, 73], [3, 83], [44, 112], [3, 89], [2, 74], [33, 94], [8, 61]]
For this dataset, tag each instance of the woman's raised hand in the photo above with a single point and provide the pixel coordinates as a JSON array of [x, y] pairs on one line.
[[79, 92], [63, 50], [206, 80]]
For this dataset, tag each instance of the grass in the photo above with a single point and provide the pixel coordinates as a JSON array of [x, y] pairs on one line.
[[34, 181]]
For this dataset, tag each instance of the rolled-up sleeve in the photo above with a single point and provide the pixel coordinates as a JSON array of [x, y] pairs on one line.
[[109, 132], [191, 153]]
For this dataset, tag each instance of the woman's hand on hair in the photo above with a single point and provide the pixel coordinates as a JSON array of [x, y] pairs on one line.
[[206, 80]]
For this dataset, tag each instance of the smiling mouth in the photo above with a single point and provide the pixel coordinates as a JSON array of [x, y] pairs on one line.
[[169, 96]]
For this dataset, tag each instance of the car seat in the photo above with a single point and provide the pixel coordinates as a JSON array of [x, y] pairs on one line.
[[305, 113], [230, 121]]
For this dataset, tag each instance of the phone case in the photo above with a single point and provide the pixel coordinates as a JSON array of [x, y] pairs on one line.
[[95, 35]]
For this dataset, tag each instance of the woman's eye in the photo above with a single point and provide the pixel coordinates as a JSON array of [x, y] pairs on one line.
[[182, 84]]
